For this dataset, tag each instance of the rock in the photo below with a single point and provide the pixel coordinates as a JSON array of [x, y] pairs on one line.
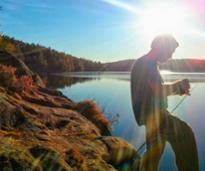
[[14, 157], [37, 79], [52, 92], [42, 130], [119, 150], [49, 160]]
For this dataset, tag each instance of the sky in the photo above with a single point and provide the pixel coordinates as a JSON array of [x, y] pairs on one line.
[[106, 30]]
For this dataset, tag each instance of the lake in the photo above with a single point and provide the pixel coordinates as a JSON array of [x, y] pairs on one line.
[[111, 91]]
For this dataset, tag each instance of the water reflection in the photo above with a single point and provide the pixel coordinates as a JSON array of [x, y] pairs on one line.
[[69, 79], [61, 81]]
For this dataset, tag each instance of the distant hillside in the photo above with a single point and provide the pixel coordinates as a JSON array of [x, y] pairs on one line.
[[45, 60], [185, 65], [124, 65], [176, 65], [41, 59]]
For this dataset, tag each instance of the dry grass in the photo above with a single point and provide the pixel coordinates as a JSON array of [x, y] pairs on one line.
[[91, 111]]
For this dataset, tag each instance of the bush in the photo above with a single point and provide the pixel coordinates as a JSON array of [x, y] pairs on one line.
[[6, 79], [7, 69], [9, 80], [93, 113], [27, 82], [7, 76]]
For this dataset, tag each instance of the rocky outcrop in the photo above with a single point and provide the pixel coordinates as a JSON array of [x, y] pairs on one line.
[[43, 130]]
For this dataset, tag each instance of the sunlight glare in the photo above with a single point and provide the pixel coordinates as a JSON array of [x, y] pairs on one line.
[[163, 18]]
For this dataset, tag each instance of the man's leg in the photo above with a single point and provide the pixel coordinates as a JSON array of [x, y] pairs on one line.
[[182, 140], [155, 146]]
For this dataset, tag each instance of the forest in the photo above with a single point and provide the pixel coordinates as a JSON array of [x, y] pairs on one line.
[[45, 60]]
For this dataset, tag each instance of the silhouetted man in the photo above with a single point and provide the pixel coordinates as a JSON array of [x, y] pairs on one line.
[[149, 101]]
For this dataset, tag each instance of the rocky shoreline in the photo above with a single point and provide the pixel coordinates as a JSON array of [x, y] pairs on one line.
[[42, 130]]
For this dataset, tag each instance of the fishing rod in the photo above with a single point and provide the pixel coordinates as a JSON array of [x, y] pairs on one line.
[[180, 102]]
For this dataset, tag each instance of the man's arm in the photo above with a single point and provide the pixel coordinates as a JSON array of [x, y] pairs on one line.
[[179, 87], [170, 89]]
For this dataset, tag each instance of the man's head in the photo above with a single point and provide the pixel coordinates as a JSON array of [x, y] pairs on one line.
[[164, 46]]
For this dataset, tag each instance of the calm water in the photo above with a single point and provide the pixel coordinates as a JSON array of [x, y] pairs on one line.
[[111, 91]]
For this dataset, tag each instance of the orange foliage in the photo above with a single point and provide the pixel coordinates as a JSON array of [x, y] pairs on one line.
[[7, 69], [7, 46], [92, 112], [25, 81]]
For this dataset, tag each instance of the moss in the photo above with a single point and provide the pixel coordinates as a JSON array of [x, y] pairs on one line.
[[14, 156], [75, 160], [48, 159]]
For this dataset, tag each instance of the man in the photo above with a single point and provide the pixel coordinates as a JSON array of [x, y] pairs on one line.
[[149, 101]]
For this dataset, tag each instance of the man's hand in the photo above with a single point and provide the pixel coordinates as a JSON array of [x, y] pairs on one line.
[[184, 87]]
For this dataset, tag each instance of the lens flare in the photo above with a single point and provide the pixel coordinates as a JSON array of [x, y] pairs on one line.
[[160, 17], [123, 5], [163, 18]]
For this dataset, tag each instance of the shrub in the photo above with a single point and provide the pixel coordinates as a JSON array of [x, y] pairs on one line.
[[93, 113], [8, 79], [7, 75], [27, 82], [7, 69]]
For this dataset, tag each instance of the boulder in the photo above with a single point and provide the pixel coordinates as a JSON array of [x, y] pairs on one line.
[[43, 130]]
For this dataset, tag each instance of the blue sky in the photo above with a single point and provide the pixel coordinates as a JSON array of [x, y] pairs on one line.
[[100, 30]]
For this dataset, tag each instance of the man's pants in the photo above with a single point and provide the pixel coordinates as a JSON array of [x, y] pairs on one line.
[[164, 127]]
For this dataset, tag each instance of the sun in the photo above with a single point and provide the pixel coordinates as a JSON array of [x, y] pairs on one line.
[[162, 18]]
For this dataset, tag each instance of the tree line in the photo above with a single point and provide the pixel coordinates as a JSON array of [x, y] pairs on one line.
[[41, 59], [45, 60]]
